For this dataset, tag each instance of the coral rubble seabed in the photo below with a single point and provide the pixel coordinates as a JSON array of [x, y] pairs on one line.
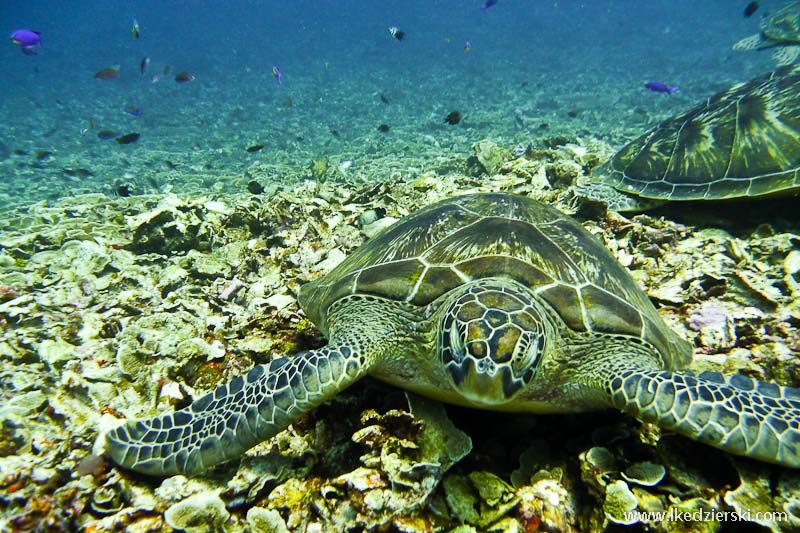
[[124, 307]]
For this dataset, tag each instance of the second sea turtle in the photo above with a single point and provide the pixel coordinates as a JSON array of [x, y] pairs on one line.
[[491, 301], [779, 31], [742, 142]]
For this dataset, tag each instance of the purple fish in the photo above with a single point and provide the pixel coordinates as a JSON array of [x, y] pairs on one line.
[[278, 75], [136, 111], [486, 5], [658, 87], [27, 40]]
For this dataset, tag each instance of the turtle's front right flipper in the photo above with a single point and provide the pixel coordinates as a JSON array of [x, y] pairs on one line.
[[737, 414], [235, 417]]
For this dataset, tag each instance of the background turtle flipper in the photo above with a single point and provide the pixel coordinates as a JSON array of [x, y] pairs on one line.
[[614, 199], [737, 414], [786, 55], [235, 417], [754, 42]]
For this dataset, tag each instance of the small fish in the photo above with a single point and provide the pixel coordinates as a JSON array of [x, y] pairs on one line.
[[184, 77], [108, 134], [397, 33], [135, 29], [123, 190], [751, 8], [384, 99], [486, 5], [108, 73], [453, 118], [278, 74], [136, 111], [521, 149], [288, 103], [467, 47], [44, 155], [143, 64], [334, 131], [255, 148], [89, 126], [156, 77], [77, 172], [658, 87], [128, 138], [254, 187], [27, 40], [383, 128]]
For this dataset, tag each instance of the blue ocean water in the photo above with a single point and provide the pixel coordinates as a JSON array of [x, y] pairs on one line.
[[575, 67]]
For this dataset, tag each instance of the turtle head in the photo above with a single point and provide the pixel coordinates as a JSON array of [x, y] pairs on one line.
[[491, 341]]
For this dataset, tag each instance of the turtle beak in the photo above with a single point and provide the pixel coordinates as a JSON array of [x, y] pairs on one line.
[[487, 386]]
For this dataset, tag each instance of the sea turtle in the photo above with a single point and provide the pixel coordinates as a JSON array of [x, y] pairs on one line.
[[779, 31], [491, 301], [742, 142]]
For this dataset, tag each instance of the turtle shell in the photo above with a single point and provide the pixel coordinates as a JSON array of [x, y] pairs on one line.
[[742, 142], [467, 238], [782, 25]]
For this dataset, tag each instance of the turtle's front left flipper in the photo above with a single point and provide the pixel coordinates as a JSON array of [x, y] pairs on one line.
[[737, 414], [235, 417]]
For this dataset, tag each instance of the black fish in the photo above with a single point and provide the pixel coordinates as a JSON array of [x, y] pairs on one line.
[[184, 77], [255, 148], [383, 128], [453, 118], [44, 155], [384, 99], [751, 8], [397, 33], [254, 187], [128, 138], [334, 131]]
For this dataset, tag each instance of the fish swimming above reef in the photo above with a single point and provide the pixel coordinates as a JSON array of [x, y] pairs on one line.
[[143, 64], [128, 138], [658, 87], [751, 8], [105, 135], [107, 73], [135, 30], [27, 40], [453, 118], [184, 77], [278, 74], [397, 33], [486, 5], [134, 110]]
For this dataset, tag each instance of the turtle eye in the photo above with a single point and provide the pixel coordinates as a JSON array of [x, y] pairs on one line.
[[528, 351], [457, 346]]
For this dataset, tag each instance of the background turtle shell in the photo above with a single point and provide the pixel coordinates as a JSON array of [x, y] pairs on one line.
[[783, 24], [744, 141], [471, 237]]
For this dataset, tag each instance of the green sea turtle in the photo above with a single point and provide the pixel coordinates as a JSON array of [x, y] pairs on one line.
[[492, 301], [742, 142], [779, 31]]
